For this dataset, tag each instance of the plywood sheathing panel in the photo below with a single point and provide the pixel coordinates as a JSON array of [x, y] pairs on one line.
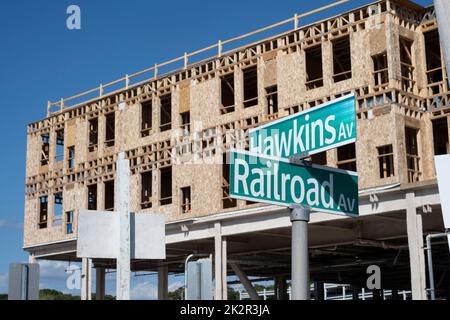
[[291, 79], [71, 133], [184, 96], [270, 73], [374, 133], [377, 43]]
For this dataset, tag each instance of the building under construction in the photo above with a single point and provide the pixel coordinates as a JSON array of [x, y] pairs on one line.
[[176, 120]]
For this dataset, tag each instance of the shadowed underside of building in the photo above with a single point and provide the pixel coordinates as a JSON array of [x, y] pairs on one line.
[[175, 126]]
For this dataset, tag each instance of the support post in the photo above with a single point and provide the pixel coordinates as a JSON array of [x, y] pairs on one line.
[[442, 8], [318, 290], [218, 262], [99, 283], [248, 286], [163, 282], [415, 245], [122, 207], [224, 269], [281, 288], [86, 289], [31, 258], [300, 260], [355, 293]]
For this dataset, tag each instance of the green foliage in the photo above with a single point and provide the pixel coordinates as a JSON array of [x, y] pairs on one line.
[[233, 294], [51, 294], [177, 294]]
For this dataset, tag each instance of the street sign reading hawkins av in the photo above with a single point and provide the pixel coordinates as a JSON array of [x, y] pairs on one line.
[[324, 127], [276, 181]]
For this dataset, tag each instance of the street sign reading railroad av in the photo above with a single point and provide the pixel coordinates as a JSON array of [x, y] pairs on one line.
[[276, 181], [324, 127]]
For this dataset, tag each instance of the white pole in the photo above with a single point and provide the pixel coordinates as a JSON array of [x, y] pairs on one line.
[[122, 207], [86, 265], [442, 8]]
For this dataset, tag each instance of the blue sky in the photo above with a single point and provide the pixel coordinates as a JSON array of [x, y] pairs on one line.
[[40, 60]]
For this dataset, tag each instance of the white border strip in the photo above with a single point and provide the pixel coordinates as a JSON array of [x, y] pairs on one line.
[[339, 213], [313, 165]]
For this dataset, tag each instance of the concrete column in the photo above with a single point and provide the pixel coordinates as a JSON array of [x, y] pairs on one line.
[[86, 266], [31, 258], [122, 206], [415, 245], [218, 262], [224, 269], [163, 282], [100, 283]]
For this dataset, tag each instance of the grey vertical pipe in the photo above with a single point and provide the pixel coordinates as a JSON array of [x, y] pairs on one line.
[[430, 268], [442, 8], [300, 261], [430, 261]]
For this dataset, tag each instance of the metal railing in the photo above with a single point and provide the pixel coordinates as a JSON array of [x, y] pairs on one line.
[[332, 292]]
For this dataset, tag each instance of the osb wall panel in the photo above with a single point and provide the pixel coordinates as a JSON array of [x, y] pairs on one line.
[[291, 79], [81, 142], [377, 36], [70, 132], [361, 61], [426, 149], [205, 181], [371, 134], [393, 51], [128, 127], [33, 155], [270, 73], [205, 102], [184, 96]]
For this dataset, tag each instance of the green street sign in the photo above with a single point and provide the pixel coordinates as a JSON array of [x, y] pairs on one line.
[[277, 181], [324, 127]]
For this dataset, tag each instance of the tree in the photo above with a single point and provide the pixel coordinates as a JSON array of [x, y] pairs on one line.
[[233, 294], [51, 294], [177, 294]]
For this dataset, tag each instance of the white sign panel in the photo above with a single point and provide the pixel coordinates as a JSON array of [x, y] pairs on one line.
[[98, 235], [442, 164]]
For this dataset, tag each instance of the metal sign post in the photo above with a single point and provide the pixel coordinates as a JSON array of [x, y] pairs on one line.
[[300, 259], [274, 172]]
